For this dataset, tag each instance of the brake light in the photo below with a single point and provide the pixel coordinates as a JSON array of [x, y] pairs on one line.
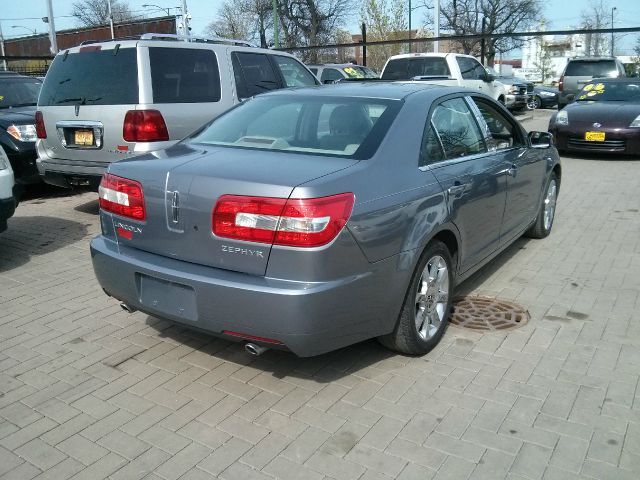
[[296, 222], [41, 131], [122, 196], [144, 126], [561, 83]]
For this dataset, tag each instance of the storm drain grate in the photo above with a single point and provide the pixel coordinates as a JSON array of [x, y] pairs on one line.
[[485, 313]]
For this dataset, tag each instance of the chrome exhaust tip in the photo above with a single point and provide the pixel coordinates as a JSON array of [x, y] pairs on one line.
[[254, 350], [127, 308]]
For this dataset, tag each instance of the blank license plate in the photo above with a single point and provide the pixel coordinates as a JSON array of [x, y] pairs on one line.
[[83, 137], [594, 136], [171, 298]]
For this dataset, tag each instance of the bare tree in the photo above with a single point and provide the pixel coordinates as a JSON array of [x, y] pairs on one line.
[[385, 20], [596, 15], [245, 20], [311, 22], [464, 17], [93, 13]]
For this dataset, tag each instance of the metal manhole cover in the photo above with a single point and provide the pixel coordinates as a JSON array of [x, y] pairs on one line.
[[485, 313]]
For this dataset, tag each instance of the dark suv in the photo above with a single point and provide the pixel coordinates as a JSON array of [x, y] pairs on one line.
[[18, 98], [580, 71]]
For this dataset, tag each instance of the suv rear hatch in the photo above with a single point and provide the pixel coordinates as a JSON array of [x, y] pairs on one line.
[[85, 97], [580, 72], [181, 191]]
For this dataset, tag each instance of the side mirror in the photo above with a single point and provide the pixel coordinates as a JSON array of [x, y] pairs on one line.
[[540, 139], [489, 77]]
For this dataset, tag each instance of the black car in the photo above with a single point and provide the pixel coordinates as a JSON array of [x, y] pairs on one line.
[[18, 99], [545, 97]]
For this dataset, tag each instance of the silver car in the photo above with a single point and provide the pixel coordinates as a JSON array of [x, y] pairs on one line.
[[315, 218], [103, 102], [580, 71]]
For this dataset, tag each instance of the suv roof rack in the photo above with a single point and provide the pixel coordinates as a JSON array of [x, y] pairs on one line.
[[174, 37]]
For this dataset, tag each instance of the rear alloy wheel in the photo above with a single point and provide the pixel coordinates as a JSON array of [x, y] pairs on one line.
[[425, 312], [544, 221]]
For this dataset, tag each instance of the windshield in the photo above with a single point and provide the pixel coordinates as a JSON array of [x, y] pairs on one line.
[[93, 77], [610, 92], [19, 92], [359, 72], [333, 126]]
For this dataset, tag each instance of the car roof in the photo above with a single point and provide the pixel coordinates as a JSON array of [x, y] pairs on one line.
[[397, 90]]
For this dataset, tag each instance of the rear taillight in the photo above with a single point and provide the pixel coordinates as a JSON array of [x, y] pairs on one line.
[[561, 84], [144, 126], [296, 222], [41, 131], [122, 196]]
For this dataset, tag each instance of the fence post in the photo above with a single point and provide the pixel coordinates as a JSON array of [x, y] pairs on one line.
[[364, 45], [483, 41]]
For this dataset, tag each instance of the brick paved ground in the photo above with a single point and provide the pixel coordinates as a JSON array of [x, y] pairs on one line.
[[88, 391]]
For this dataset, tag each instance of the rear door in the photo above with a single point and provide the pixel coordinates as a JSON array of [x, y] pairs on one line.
[[84, 99], [471, 177]]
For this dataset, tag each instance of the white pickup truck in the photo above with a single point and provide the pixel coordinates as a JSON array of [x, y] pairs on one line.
[[446, 69]]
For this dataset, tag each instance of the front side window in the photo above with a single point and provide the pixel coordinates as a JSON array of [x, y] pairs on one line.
[[184, 75], [457, 129], [294, 74], [500, 133], [471, 69], [255, 72], [345, 127]]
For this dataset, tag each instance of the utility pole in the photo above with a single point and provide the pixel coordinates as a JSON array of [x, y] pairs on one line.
[[52, 29], [276, 22], [436, 44], [185, 19], [409, 26], [612, 39], [483, 41], [110, 19], [364, 44], [4, 61]]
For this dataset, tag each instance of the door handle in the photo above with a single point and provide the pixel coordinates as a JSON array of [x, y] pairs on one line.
[[511, 171], [457, 189]]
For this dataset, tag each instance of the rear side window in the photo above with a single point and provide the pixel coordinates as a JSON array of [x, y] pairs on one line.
[[293, 73], [255, 73], [595, 68], [97, 77], [457, 129], [184, 75]]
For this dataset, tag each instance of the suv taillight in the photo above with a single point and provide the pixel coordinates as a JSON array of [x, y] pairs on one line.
[[295, 222], [144, 126], [41, 131], [561, 84], [122, 196]]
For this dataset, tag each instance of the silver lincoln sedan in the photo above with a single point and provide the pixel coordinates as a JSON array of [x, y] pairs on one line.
[[314, 218]]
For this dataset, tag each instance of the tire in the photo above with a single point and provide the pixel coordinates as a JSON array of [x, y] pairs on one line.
[[428, 302], [543, 224], [537, 102]]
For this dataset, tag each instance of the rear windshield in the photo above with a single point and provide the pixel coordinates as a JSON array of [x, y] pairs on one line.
[[610, 92], [407, 68], [18, 91], [357, 71], [184, 75], [595, 68], [332, 126], [102, 77]]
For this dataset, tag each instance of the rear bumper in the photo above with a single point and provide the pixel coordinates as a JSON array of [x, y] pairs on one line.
[[7, 209], [308, 318]]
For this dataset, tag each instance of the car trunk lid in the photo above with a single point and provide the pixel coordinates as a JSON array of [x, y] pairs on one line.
[[181, 191]]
